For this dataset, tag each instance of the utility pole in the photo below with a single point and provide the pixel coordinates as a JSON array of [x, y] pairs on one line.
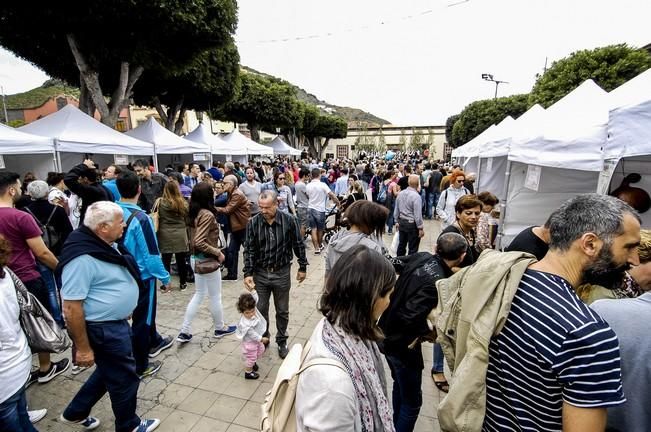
[[489, 77], [4, 104]]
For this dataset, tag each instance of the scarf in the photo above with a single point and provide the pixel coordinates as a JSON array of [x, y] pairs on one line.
[[83, 241], [362, 361]]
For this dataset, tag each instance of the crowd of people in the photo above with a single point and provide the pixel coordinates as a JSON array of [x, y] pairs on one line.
[[544, 336]]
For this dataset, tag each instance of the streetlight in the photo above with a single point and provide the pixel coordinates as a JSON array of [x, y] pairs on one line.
[[489, 77], [4, 104]]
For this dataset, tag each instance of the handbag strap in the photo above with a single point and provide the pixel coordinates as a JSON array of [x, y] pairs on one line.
[[22, 295], [154, 209]]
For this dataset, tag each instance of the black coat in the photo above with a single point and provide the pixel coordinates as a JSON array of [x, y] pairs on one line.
[[412, 300]]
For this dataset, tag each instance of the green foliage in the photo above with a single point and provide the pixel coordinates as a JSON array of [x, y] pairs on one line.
[[381, 143], [16, 123], [449, 124], [364, 142], [416, 140], [479, 115], [609, 67], [402, 141], [39, 95]]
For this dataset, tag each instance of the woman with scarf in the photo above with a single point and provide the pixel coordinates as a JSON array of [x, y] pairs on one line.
[[352, 397]]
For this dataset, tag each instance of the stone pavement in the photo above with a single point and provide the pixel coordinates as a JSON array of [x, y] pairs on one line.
[[201, 386]]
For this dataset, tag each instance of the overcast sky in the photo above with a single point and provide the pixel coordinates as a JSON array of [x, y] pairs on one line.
[[412, 62]]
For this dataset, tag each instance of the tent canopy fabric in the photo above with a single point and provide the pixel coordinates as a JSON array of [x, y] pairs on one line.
[[281, 147], [470, 149], [202, 134], [252, 147], [570, 134], [79, 133], [13, 141], [629, 133], [500, 143], [166, 142]]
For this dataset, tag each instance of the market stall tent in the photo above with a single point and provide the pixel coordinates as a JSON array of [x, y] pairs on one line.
[[21, 152], [218, 146], [252, 147], [168, 146], [281, 147], [76, 135]]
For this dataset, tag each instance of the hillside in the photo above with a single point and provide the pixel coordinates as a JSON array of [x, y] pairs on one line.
[[39, 95], [353, 115]]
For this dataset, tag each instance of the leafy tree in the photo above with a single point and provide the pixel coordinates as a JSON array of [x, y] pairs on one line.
[[211, 80], [364, 142], [402, 141], [479, 115], [609, 67], [449, 124], [327, 126], [416, 140], [113, 43], [381, 142]]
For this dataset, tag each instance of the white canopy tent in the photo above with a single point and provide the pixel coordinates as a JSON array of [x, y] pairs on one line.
[[557, 158], [22, 152], [167, 145], [252, 147], [493, 155], [218, 146], [76, 134], [281, 147], [466, 155]]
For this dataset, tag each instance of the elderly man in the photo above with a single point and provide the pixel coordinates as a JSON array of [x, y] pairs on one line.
[[152, 184], [100, 291], [237, 209], [555, 364], [409, 217], [270, 238]]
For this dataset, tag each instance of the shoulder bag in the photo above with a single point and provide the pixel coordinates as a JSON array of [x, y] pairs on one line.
[[154, 214]]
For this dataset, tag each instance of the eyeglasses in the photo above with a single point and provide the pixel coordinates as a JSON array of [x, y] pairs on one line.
[[460, 181], [281, 178]]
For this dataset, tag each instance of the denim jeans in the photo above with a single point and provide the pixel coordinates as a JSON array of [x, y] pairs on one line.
[[432, 201], [437, 359], [390, 221], [407, 394], [145, 335], [278, 284], [54, 304], [13, 414], [115, 373], [207, 284], [232, 257]]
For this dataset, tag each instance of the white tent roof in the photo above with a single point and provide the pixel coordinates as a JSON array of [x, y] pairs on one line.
[[570, 134], [252, 147], [13, 141], [469, 149], [500, 143], [166, 142], [217, 145], [281, 147], [629, 123], [79, 133]]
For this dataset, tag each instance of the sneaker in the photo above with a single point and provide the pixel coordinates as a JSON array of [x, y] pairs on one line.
[[147, 425], [56, 368], [33, 377], [154, 366], [36, 415], [76, 370], [251, 375], [255, 367], [89, 423], [164, 344], [183, 287], [282, 351], [184, 337], [227, 331]]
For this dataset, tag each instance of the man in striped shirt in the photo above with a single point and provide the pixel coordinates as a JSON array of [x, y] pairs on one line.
[[271, 236], [555, 365]]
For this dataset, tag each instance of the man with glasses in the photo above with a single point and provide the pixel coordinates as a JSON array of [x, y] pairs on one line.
[[151, 184]]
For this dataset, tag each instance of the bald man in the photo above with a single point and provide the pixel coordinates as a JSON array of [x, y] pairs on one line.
[[409, 217]]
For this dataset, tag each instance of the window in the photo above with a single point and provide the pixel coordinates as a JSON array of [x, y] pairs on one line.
[[61, 102], [342, 151], [121, 125]]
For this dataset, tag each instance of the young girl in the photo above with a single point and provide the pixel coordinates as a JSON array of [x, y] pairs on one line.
[[250, 330]]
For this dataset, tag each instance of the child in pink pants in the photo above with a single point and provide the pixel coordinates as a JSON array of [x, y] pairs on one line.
[[250, 329]]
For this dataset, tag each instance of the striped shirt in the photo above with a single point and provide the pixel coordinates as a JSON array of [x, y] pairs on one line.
[[553, 348], [269, 246]]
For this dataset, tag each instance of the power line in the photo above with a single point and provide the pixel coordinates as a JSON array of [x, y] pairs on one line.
[[350, 29]]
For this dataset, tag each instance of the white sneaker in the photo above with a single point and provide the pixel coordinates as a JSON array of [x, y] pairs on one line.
[[36, 415], [76, 370]]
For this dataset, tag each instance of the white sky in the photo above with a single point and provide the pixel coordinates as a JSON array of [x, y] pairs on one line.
[[418, 70]]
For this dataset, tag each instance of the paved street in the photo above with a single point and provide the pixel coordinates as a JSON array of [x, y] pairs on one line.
[[201, 386]]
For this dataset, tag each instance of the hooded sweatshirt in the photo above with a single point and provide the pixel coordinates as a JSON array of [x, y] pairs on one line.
[[344, 240]]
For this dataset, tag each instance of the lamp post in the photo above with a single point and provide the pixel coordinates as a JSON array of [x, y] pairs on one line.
[[489, 77], [4, 104]]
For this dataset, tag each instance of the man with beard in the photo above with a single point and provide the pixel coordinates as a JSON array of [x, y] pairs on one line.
[[555, 363]]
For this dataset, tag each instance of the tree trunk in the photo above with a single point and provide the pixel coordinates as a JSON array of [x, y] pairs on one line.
[[255, 132], [178, 126], [160, 110], [86, 104], [323, 147], [120, 98]]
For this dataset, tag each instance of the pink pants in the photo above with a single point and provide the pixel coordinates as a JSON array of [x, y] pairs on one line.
[[251, 351]]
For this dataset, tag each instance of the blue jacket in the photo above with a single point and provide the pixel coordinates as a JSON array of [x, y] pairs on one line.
[[140, 240], [110, 185]]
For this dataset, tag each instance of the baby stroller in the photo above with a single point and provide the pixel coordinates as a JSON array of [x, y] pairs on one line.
[[333, 224]]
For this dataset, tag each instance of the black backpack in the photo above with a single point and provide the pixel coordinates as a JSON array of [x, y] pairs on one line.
[[49, 234]]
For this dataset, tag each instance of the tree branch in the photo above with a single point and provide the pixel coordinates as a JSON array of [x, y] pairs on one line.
[[178, 126], [89, 76], [159, 109]]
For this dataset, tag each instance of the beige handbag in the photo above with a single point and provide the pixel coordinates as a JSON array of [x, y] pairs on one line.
[[154, 214]]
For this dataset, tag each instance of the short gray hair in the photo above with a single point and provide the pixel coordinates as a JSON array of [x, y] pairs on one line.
[[232, 179], [602, 215], [101, 212], [450, 246], [229, 166], [38, 189], [268, 194]]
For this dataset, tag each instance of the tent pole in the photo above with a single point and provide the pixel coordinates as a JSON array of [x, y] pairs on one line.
[[507, 179], [57, 156], [478, 174], [155, 159]]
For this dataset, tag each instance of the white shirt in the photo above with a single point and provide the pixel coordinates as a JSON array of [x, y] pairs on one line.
[[341, 186], [317, 192], [15, 355]]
